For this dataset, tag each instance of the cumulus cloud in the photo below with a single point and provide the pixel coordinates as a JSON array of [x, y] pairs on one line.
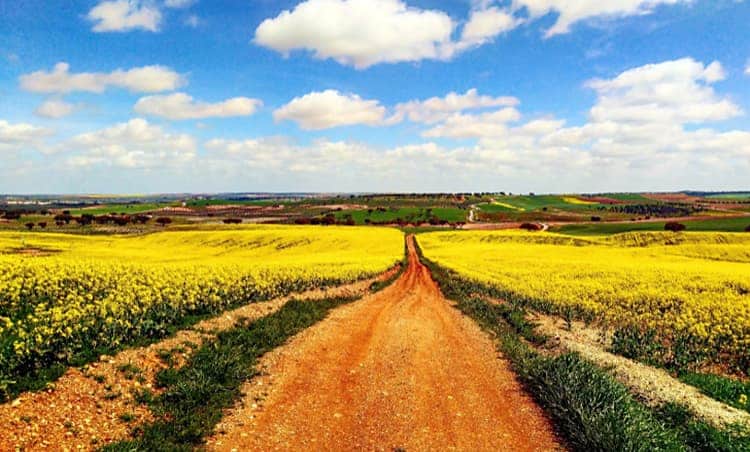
[[486, 24], [362, 33], [359, 33], [180, 106], [747, 68], [19, 133], [676, 91], [132, 144], [330, 108], [437, 109], [55, 109], [475, 125], [125, 15], [146, 79], [571, 12], [21, 137]]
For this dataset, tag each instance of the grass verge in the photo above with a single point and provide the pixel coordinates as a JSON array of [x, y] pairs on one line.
[[590, 409], [195, 395]]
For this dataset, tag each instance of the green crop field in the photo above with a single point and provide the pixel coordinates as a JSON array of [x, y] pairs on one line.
[[119, 208], [409, 214], [719, 224]]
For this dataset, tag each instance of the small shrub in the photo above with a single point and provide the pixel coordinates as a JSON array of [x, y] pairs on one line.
[[163, 221], [596, 219], [29, 226], [531, 226], [674, 226]]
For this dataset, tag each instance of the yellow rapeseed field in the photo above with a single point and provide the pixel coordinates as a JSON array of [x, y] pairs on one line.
[[61, 295], [691, 289]]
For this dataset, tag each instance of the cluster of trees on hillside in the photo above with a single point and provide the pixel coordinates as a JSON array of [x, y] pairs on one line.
[[656, 210]]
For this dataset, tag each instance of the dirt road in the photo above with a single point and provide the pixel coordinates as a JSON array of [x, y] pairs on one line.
[[399, 369]]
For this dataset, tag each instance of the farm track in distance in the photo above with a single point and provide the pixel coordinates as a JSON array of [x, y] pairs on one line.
[[398, 369]]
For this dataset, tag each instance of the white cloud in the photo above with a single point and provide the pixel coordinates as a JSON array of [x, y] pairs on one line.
[[569, 12], [182, 106], [21, 137], [326, 109], [436, 109], [359, 33], [146, 79], [20, 133], [481, 125], [486, 24], [124, 15], [179, 3], [747, 68], [676, 91], [55, 109], [132, 144]]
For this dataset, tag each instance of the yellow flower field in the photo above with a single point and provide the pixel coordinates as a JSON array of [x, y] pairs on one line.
[[690, 288], [61, 295]]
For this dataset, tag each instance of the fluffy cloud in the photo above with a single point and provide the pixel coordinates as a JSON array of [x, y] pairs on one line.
[[179, 106], [570, 12], [676, 91], [362, 33], [21, 137], [125, 15], [486, 24], [326, 109], [132, 144], [747, 68], [12, 134], [55, 109], [358, 32], [475, 125], [146, 79], [437, 109]]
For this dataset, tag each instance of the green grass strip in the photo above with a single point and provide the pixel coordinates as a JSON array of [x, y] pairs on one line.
[[732, 392], [197, 393]]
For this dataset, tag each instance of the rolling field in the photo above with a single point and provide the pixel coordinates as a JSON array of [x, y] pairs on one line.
[[408, 214], [593, 229], [686, 296], [67, 298]]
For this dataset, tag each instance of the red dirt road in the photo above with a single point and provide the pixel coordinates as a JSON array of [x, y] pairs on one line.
[[400, 368]]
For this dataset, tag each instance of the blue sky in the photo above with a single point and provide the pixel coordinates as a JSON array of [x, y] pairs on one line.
[[374, 95]]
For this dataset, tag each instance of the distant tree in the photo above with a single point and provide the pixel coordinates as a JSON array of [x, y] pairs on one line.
[[60, 223], [42, 224], [29, 226], [65, 218], [302, 220], [350, 221], [595, 218], [531, 226], [12, 215], [164, 221], [747, 229], [674, 226], [232, 220], [140, 219]]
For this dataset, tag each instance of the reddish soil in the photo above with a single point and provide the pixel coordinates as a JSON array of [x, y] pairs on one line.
[[401, 368]]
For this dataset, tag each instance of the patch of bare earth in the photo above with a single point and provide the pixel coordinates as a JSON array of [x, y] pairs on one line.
[[401, 368], [653, 385], [95, 405]]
